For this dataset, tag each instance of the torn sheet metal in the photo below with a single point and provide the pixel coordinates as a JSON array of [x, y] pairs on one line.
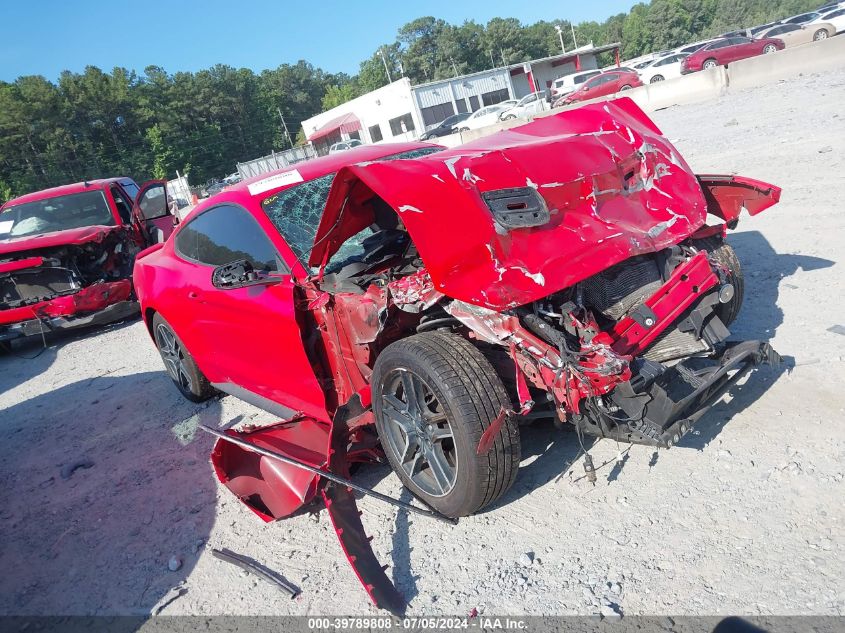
[[614, 187], [415, 292], [66, 237], [91, 298], [728, 196], [268, 487]]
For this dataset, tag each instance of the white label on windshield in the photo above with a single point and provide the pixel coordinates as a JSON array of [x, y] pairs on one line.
[[6, 226], [278, 180]]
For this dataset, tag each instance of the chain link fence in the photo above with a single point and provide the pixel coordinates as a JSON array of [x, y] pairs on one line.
[[274, 161]]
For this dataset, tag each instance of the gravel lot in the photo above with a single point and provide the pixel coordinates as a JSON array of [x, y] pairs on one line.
[[744, 516]]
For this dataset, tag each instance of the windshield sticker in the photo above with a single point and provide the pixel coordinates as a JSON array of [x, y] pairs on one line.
[[6, 226], [278, 180]]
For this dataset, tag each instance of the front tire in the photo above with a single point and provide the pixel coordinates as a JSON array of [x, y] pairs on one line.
[[655, 79], [179, 363], [770, 48], [434, 394], [821, 34], [624, 88]]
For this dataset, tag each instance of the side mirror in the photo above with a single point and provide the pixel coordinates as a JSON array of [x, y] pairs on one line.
[[241, 273]]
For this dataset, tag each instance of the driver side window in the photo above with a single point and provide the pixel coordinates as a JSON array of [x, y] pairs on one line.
[[226, 234]]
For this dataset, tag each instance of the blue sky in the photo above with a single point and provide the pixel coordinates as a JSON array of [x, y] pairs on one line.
[[44, 37]]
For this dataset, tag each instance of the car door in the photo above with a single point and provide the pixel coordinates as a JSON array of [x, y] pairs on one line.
[[744, 47], [152, 211], [589, 89], [246, 338]]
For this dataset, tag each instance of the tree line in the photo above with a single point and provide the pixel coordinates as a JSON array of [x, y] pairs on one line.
[[149, 125]]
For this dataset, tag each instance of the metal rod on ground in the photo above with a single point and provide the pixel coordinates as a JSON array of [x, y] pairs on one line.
[[330, 476], [247, 564]]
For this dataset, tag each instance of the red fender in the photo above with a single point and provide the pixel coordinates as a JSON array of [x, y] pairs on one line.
[[727, 196]]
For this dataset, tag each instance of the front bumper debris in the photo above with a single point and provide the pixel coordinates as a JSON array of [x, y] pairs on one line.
[[36, 327], [663, 404]]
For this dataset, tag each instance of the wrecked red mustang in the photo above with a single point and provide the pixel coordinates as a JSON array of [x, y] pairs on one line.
[[423, 301], [66, 254]]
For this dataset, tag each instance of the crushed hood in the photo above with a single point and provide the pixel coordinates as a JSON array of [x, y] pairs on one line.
[[82, 235], [614, 187]]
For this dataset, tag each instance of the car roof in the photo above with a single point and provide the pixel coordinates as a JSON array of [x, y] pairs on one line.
[[63, 190], [316, 167]]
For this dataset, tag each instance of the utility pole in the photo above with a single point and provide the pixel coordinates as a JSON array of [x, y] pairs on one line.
[[504, 63], [492, 63], [560, 35], [285, 126], [454, 68], [386, 69], [574, 41]]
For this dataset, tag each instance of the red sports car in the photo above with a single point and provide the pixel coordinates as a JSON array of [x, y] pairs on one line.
[[425, 300], [728, 49], [66, 254], [608, 83]]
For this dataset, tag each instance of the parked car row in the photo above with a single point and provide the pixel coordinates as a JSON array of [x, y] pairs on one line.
[[827, 21]]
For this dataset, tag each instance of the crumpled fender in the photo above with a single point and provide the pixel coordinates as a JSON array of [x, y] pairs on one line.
[[614, 187], [82, 235], [727, 196]]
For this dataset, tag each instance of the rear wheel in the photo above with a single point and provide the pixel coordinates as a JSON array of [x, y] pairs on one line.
[[434, 394], [179, 363], [710, 63], [770, 48], [821, 34], [655, 79], [724, 255], [625, 87]]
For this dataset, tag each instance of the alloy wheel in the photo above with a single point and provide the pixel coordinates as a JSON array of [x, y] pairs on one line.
[[820, 35], [173, 356], [419, 433], [770, 48]]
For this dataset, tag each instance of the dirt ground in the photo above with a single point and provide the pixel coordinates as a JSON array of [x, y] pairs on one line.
[[744, 516]]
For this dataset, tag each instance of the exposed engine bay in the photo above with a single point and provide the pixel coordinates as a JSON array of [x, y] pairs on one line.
[[40, 287]]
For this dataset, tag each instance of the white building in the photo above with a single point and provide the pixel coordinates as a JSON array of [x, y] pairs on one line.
[[401, 112]]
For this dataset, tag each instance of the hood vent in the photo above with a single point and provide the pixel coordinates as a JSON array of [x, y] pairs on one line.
[[517, 208]]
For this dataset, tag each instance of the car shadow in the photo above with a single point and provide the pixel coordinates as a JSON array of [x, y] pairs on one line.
[[764, 269], [101, 488], [25, 358]]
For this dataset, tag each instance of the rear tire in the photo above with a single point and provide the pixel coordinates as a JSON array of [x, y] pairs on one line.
[[624, 88], [769, 48], [179, 363], [724, 254], [821, 34], [457, 395], [710, 63], [655, 79]]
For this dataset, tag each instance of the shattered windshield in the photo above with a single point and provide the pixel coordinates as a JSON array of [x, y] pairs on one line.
[[297, 210], [73, 211]]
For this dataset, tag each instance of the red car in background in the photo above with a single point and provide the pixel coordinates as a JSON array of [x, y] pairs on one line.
[[608, 83], [66, 254], [729, 49]]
